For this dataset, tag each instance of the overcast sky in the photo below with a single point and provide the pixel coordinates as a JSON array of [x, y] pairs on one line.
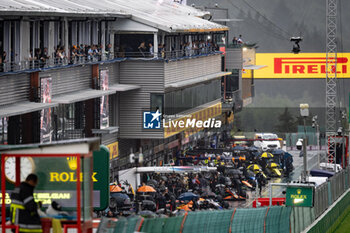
[[272, 22]]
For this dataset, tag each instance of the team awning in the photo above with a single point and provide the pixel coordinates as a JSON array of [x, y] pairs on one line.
[[23, 107], [123, 87], [197, 80], [78, 96]]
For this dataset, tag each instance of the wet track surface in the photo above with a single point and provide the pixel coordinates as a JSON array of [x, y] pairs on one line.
[[277, 191]]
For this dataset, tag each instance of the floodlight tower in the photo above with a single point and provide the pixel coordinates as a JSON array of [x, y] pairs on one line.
[[331, 77]]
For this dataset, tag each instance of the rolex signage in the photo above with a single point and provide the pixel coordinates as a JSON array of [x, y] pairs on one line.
[[58, 177], [300, 196]]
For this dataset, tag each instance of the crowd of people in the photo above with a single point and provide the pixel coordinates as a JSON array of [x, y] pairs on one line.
[[186, 49], [41, 57], [237, 41]]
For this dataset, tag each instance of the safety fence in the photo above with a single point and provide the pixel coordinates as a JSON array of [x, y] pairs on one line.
[[325, 195], [275, 219], [336, 215], [262, 220]]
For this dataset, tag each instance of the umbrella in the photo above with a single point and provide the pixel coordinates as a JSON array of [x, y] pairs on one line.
[[120, 198], [277, 152], [253, 148], [266, 155], [152, 183], [146, 189], [254, 167], [239, 148], [187, 196], [208, 193], [115, 189], [273, 165], [233, 172]]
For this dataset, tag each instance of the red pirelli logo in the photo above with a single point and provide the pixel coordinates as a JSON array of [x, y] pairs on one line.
[[308, 65]]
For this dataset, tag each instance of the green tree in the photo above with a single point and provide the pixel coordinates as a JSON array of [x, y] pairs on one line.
[[286, 122]]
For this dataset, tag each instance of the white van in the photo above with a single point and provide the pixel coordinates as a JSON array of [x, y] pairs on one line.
[[267, 141]]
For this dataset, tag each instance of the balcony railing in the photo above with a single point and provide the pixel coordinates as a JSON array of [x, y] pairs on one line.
[[86, 59]]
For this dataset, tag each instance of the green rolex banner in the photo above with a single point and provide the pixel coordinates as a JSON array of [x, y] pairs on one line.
[[300, 196], [101, 171]]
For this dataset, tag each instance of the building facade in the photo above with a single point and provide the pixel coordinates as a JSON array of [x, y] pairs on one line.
[[74, 71]]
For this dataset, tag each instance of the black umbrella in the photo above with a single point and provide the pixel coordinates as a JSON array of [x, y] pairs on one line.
[[188, 196], [208, 194], [152, 183], [120, 198]]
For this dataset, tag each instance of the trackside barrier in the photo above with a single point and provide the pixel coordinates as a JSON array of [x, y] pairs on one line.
[[329, 221], [325, 195], [262, 220], [321, 199], [275, 219], [300, 218]]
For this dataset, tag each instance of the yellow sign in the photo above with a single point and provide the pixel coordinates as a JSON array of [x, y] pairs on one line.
[[113, 150], [68, 177], [247, 73], [45, 197], [303, 65], [201, 115]]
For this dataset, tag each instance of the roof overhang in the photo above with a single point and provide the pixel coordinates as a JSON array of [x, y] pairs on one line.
[[253, 67], [72, 146], [128, 25], [23, 108], [123, 87], [194, 81], [44, 13], [73, 97]]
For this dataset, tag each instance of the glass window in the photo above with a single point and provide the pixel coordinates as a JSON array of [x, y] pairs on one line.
[[157, 102], [3, 130], [191, 97]]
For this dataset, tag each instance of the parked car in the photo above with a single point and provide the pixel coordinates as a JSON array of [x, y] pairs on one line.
[[267, 141]]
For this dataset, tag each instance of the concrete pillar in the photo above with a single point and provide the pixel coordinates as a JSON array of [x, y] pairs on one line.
[[111, 41], [66, 46], [7, 40], [74, 33], [103, 37], [51, 38], [81, 33], [163, 38], [155, 44], [24, 40], [94, 32], [24, 53], [17, 41], [37, 34]]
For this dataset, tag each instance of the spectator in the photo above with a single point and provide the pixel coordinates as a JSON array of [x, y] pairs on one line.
[[188, 49], [90, 52], [108, 51], [235, 41], [142, 49], [240, 40], [45, 54], [151, 49]]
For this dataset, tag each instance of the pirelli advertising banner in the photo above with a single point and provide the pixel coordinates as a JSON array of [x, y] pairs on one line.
[[303, 65]]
